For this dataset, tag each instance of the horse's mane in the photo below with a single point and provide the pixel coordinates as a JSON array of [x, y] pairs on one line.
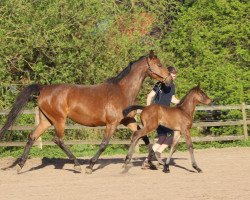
[[123, 73], [194, 89]]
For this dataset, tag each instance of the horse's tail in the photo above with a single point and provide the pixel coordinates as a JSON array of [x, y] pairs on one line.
[[21, 100], [127, 110]]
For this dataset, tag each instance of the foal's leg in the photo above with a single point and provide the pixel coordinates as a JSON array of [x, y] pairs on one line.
[[110, 129], [191, 150], [148, 126], [43, 125], [136, 136], [176, 139], [132, 125], [58, 139]]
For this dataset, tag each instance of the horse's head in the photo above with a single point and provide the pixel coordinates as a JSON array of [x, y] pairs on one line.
[[156, 70], [201, 96]]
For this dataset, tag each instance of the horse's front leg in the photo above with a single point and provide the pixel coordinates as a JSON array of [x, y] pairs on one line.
[[191, 150], [176, 139], [110, 129]]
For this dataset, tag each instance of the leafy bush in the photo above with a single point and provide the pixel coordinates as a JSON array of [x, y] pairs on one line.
[[88, 41]]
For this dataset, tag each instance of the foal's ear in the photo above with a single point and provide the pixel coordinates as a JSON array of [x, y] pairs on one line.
[[152, 54]]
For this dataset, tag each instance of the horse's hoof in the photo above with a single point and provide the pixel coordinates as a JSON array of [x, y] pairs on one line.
[[18, 169], [166, 169], [88, 170], [77, 168]]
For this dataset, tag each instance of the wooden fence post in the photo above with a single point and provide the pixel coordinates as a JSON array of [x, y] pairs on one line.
[[39, 140], [244, 116], [245, 122]]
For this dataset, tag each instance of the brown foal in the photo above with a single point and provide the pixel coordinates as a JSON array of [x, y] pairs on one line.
[[93, 105], [178, 118]]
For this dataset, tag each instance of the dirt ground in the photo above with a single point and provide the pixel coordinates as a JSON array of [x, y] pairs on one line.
[[226, 175]]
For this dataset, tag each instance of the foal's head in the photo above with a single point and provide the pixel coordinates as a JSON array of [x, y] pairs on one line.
[[200, 96], [156, 70]]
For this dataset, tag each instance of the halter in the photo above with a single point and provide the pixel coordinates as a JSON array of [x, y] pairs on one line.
[[153, 72]]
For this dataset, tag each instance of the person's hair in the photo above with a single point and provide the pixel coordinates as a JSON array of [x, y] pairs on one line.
[[172, 70]]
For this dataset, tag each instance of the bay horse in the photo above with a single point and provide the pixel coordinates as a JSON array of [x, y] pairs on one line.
[[178, 118], [93, 105]]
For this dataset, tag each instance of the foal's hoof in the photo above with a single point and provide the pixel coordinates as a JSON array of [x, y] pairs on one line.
[[88, 170], [126, 168], [18, 168], [197, 169], [166, 169], [77, 168]]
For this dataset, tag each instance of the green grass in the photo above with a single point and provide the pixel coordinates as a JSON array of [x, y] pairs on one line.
[[90, 150], [56, 152]]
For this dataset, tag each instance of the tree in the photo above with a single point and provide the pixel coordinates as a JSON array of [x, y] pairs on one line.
[[210, 44]]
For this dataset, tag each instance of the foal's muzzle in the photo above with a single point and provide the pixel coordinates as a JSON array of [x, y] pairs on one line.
[[212, 102]]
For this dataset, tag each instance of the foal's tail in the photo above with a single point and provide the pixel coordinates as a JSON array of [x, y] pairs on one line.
[[21, 100], [127, 110]]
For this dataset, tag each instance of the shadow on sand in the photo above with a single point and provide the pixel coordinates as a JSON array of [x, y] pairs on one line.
[[59, 163]]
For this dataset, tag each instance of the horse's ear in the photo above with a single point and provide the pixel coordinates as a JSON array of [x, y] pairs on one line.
[[152, 54]]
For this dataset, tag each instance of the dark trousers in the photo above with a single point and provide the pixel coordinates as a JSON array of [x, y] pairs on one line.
[[162, 133]]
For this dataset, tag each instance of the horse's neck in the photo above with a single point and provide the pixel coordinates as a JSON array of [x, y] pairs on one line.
[[131, 84], [188, 106]]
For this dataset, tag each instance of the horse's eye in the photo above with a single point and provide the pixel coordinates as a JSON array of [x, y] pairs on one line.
[[159, 65]]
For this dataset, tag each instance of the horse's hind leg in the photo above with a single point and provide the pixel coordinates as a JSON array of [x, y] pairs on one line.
[[176, 139], [43, 125], [58, 139], [110, 129]]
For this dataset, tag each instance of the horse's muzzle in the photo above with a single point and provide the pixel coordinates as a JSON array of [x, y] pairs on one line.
[[168, 82]]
